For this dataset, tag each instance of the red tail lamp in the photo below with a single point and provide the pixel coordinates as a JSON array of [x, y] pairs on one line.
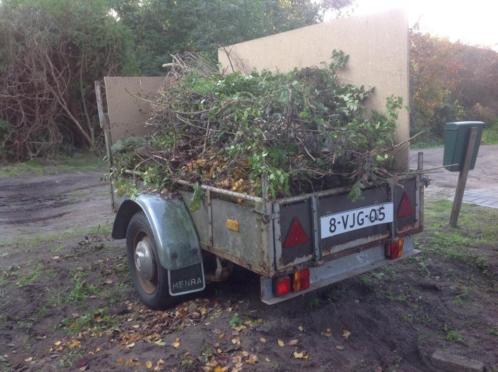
[[282, 286], [298, 281], [405, 208], [296, 235], [301, 280], [394, 249]]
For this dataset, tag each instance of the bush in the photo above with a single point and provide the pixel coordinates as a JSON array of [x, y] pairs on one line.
[[52, 52], [450, 82]]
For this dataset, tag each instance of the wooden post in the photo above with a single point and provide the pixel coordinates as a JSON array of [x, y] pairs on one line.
[[420, 168], [104, 124], [462, 178]]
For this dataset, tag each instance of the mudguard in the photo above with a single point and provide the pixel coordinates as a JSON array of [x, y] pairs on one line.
[[174, 232]]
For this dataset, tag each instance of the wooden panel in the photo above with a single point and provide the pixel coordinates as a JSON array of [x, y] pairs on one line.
[[377, 46], [127, 103]]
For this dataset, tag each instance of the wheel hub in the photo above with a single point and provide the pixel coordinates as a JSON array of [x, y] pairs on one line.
[[144, 260]]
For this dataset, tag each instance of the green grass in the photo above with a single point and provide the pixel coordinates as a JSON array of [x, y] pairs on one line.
[[451, 335], [426, 143], [60, 164], [235, 320], [55, 237], [93, 321], [490, 135], [31, 277], [81, 288], [477, 228]]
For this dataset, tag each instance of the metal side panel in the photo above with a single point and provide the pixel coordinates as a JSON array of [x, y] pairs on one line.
[[239, 233], [337, 270]]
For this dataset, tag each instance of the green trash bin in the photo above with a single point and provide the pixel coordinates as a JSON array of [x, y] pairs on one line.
[[456, 139]]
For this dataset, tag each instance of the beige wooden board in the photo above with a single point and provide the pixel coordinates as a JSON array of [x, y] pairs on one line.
[[128, 104], [377, 46]]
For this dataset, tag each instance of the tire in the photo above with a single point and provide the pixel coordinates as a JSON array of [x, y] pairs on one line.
[[153, 291]]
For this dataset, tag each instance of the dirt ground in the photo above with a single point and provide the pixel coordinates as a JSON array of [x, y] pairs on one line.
[[66, 299]]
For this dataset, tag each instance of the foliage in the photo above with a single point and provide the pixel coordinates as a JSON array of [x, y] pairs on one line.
[[450, 81], [165, 27], [304, 130], [490, 134], [53, 51]]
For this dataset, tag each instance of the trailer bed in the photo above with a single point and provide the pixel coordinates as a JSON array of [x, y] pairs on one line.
[[254, 232]]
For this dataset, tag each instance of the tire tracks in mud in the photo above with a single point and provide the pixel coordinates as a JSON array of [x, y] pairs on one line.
[[43, 204]]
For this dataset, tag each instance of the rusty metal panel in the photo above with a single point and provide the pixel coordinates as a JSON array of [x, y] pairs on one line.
[[250, 245], [128, 104], [247, 245], [297, 211], [410, 187]]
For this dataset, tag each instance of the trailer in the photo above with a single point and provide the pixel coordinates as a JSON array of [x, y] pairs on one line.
[[294, 244]]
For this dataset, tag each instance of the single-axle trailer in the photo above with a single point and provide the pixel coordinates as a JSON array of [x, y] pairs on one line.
[[296, 244]]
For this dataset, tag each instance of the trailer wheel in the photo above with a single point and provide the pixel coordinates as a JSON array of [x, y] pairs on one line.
[[149, 277]]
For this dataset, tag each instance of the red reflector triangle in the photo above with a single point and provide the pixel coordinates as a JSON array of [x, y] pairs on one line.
[[405, 206], [296, 235]]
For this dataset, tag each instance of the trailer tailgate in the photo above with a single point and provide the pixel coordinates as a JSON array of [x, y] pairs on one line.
[[327, 224]]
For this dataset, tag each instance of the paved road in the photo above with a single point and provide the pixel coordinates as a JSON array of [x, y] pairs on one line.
[[482, 183]]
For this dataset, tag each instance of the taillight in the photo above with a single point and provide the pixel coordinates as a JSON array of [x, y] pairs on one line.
[[281, 286], [394, 249], [298, 281], [296, 235], [301, 280], [405, 208]]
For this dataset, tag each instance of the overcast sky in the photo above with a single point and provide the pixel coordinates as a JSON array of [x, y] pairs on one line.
[[472, 22]]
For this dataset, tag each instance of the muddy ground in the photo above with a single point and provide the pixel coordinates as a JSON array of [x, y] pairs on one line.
[[66, 300]]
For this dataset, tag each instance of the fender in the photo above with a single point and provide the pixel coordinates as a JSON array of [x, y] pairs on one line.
[[171, 224]]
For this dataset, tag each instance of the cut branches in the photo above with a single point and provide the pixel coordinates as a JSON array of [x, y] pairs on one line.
[[303, 131]]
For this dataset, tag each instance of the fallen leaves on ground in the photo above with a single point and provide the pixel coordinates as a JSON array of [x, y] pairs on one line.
[[293, 342], [327, 332], [300, 355], [346, 334], [74, 343], [152, 326], [176, 344], [236, 341]]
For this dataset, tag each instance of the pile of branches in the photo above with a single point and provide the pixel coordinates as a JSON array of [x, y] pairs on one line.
[[293, 132]]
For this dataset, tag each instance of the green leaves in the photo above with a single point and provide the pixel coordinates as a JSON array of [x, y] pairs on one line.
[[301, 131]]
